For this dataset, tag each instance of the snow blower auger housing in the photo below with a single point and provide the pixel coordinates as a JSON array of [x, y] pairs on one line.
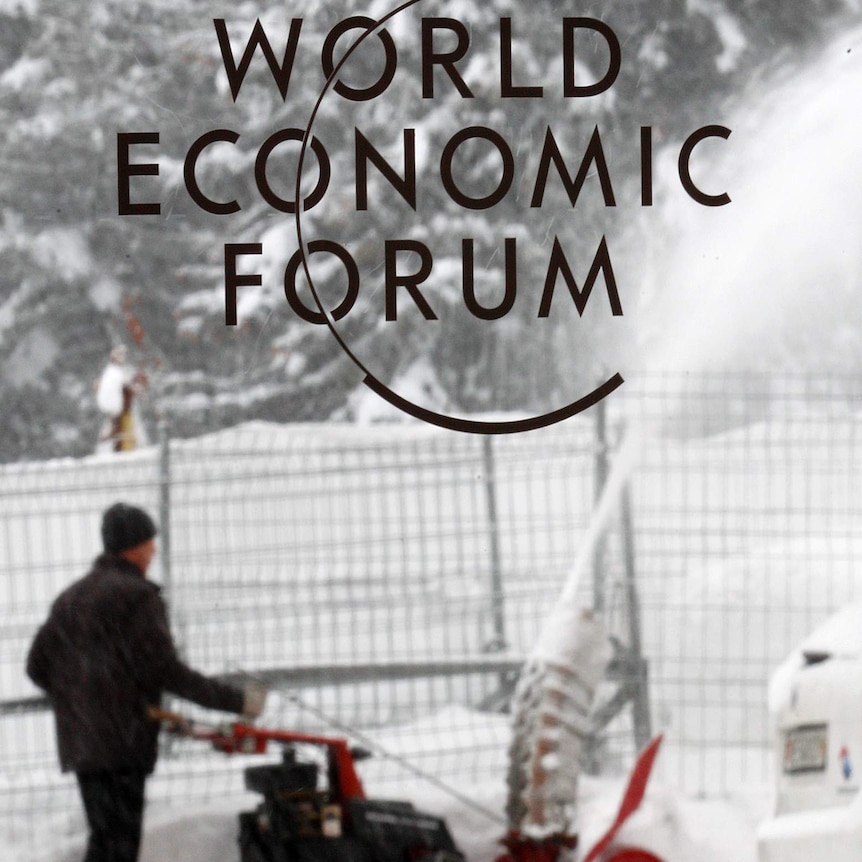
[[301, 821]]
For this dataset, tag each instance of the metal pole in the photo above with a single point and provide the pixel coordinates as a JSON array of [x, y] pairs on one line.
[[640, 693], [165, 508], [595, 748], [165, 545], [497, 598], [600, 477]]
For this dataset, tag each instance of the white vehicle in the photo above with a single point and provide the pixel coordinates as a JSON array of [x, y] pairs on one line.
[[815, 701]]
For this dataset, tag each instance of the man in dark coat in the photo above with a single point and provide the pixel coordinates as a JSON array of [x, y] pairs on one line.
[[104, 656]]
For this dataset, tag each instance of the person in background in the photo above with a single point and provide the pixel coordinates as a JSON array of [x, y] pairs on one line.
[[116, 392], [104, 656]]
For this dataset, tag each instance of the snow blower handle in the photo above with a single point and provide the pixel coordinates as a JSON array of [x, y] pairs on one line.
[[173, 722], [230, 739]]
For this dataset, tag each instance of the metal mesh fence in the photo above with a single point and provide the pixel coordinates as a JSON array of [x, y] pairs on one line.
[[391, 578], [747, 529]]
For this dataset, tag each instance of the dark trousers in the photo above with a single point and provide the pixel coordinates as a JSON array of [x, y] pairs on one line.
[[114, 804]]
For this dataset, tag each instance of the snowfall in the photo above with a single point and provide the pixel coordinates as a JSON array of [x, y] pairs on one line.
[[676, 825]]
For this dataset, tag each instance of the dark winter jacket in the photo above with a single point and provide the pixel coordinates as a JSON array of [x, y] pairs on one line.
[[103, 656]]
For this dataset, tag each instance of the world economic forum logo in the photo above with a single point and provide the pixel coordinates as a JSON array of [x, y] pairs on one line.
[[416, 194]]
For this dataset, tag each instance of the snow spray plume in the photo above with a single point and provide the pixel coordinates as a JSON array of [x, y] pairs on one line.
[[554, 696], [769, 282]]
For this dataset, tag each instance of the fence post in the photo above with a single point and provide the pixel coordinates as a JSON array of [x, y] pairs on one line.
[[165, 508], [600, 477], [497, 598], [639, 685], [165, 551]]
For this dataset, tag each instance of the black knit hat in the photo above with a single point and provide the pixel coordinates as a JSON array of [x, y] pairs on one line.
[[125, 526]]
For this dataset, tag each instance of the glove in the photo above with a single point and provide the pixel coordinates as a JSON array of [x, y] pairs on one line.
[[253, 700]]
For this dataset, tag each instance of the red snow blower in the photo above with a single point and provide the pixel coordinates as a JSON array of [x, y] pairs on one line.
[[302, 819]]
